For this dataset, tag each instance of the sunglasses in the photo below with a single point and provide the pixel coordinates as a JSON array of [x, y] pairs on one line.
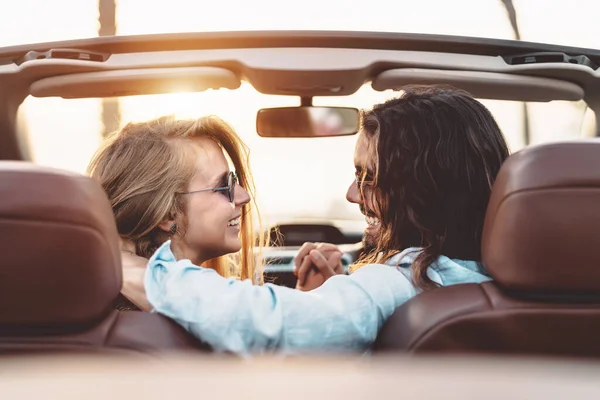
[[229, 190]]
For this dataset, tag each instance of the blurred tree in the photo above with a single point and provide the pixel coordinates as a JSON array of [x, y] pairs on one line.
[[111, 112], [512, 16]]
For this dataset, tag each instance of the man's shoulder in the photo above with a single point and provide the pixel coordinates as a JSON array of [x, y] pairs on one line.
[[384, 282], [382, 274]]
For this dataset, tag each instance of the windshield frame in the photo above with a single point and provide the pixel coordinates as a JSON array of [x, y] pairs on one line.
[[326, 39]]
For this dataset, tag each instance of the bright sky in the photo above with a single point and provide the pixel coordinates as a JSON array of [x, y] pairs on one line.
[[65, 133]]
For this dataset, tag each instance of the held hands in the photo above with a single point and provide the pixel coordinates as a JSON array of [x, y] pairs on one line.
[[315, 263]]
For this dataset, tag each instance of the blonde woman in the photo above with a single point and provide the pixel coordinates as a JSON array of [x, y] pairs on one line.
[[170, 179]]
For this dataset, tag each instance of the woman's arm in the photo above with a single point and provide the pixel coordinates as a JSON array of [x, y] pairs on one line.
[[344, 314]]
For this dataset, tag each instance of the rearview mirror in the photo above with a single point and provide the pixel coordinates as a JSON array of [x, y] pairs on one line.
[[297, 122]]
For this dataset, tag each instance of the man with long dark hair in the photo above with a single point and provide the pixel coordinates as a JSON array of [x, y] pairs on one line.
[[425, 163]]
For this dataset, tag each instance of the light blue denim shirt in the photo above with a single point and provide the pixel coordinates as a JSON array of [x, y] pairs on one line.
[[344, 314]]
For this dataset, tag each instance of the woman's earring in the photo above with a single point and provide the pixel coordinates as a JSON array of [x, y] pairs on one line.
[[173, 229]]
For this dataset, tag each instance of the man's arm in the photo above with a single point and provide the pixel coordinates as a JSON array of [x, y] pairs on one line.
[[134, 269]]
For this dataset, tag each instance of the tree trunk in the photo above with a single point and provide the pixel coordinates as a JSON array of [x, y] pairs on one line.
[[111, 111], [512, 17]]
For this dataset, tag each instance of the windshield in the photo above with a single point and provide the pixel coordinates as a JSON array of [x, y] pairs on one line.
[[295, 178], [572, 22]]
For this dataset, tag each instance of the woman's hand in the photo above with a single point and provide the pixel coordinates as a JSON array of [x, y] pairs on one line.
[[315, 263]]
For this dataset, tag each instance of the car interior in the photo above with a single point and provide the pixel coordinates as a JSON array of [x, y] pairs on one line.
[[540, 235]]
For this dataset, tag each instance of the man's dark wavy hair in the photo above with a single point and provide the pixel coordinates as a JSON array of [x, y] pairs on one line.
[[437, 151]]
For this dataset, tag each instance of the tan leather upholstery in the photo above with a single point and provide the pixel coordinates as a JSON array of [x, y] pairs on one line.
[[473, 318], [60, 267], [542, 225], [117, 331], [541, 244], [59, 246]]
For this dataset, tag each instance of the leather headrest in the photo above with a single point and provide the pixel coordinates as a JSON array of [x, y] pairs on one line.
[[59, 248], [542, 227]]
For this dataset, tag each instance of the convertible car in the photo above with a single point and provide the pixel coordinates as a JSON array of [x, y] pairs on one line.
[[60, 272]]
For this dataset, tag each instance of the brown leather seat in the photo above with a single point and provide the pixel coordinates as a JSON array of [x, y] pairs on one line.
[[60, 269], [541, 244]]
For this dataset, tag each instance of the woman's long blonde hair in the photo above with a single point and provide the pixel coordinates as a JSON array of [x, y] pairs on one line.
[[142, 167]]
